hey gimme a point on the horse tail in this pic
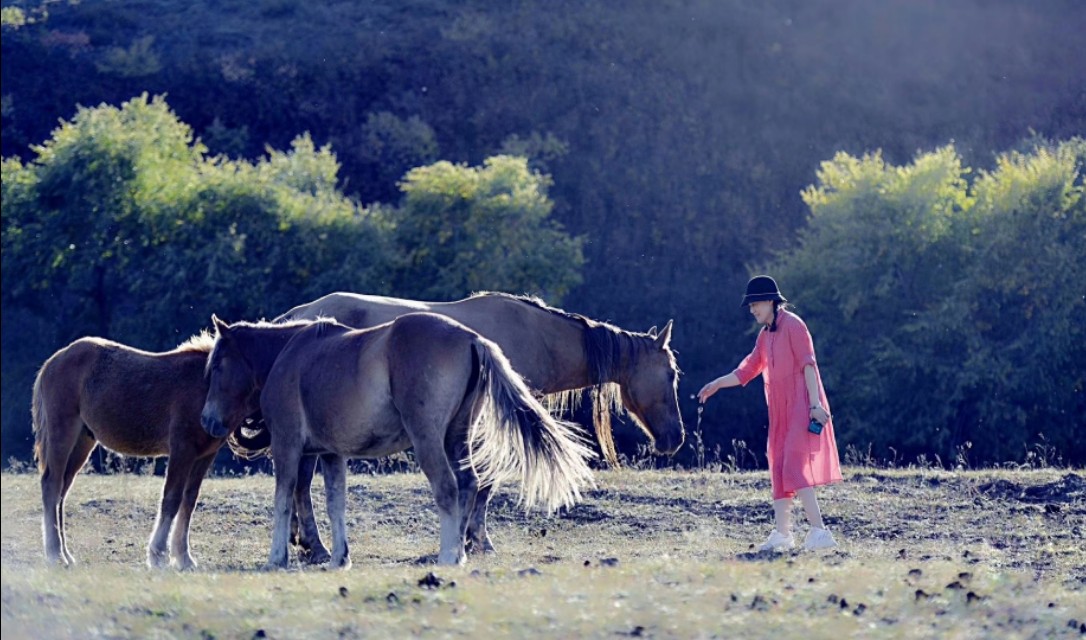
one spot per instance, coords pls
(514, 437)
(39, 421)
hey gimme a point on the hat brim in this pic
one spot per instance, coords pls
(759, 297)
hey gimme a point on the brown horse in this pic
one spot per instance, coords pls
(422, 381)
(134, 403)
(558, 354)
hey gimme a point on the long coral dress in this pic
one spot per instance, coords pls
(797, 457)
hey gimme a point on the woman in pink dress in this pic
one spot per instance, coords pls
(799, 458)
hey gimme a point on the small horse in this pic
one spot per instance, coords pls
(134, 403)
(422, 380)
(558, 354)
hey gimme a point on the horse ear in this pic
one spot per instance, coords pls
(664, 338)
(221, 327)
(652, 331)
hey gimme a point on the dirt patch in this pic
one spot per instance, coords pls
(1070, 488)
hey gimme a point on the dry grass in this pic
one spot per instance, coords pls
(648, 553)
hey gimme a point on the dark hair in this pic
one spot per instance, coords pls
(777, 305)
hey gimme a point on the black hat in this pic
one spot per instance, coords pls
(762, 288)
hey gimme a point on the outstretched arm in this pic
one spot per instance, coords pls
(723, 382)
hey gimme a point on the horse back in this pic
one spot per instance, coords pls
(431, 360)
(126, 397)
(491, 315)
(355, 310)
(543, 346)
(329, 391)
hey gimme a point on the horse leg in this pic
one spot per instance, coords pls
(61, 443)
(434, 461)
(478, 539)
(179, 544)
(303, 522)
(83, 447)
(468, 485)
(177, 473)
(286, 459)
(335, 491)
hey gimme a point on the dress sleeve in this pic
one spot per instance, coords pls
(799, 339)
(754, 363)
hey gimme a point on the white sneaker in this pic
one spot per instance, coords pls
(819, 539)
(777, 541)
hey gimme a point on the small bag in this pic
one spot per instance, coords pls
(815, 427)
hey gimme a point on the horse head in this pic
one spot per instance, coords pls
(233, 393)
(650, 392)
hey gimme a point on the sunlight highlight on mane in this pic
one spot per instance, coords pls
(607, 398)
(203, 341)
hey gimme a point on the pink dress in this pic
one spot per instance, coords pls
(797, 457)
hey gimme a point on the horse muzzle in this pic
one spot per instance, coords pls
(213, 426)
(669, 444)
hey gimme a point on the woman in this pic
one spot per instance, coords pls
(799, 458)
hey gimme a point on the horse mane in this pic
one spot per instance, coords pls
(606, 348)
(201, 342)
(245, 327)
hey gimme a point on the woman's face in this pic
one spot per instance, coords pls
(762, 311)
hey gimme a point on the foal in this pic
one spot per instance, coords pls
(95, 391)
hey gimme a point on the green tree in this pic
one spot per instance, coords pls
(466, 229)
(940, 324)
(123, 227)
(73, 219)
(1019, 309)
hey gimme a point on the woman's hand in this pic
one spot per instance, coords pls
(708, 390)
(820, 414)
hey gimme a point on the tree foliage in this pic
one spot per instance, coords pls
(482, 228)
(122, 214)
(122, 226)
(947, 313)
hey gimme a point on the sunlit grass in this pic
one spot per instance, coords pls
(924, 553)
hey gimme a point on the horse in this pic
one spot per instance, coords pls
(136, 403)
(559, 354)
(422, 381)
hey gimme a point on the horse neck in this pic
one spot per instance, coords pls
(262, 345)
(610, 353)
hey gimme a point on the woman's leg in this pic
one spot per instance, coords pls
(781, 536)
(782, 514)
(818, 537)
(810, 507)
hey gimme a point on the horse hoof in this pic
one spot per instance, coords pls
(342, 563)
(451, 560)
(475, 547)
(185, 563)
(312, 557)
(158, 559)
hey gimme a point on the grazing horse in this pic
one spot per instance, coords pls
(134, 403)
(422, 381)
(557, 353)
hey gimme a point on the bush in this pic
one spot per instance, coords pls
(947, 315)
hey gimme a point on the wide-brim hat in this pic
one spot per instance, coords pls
(762, 288)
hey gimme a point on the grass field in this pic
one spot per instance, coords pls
(660, 554)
